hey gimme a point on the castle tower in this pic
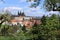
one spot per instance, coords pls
(21, 13)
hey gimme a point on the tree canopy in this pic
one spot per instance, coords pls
(53, 5)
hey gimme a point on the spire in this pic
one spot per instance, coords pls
(19, 13)
(22, 14)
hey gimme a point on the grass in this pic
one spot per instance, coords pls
(6, 38)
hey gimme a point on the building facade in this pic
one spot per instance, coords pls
(28, 21)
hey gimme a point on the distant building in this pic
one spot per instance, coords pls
(28, 21)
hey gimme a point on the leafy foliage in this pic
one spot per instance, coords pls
(52, 5)
(35, 3)
(48, 30)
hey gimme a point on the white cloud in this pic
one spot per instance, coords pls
(22, 0)
(1, 2)
(34, 11)
(12, 8)
(53, 12)
(27, 10)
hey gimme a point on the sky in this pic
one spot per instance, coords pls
(21, 5)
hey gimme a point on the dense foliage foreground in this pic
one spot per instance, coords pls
(48, 30)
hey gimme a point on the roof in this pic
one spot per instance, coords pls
(36, 18)
(14, 20)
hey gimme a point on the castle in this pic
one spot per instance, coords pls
(22, 19)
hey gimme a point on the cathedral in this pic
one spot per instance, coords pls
(21, 13)
(22, 19)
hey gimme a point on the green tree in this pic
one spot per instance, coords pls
(43, 19)
(4, 30)
(35, 4)
(53, 5)
(5, 17)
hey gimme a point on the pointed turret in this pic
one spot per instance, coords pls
(18, 13)
(21, 13)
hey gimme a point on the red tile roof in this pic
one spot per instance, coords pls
(14, 20)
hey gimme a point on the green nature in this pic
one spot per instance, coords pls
(49, 29)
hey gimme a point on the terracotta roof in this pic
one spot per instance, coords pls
(14, 20)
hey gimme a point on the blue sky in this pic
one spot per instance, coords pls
(21, 5)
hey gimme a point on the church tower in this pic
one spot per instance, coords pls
(21, 13)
